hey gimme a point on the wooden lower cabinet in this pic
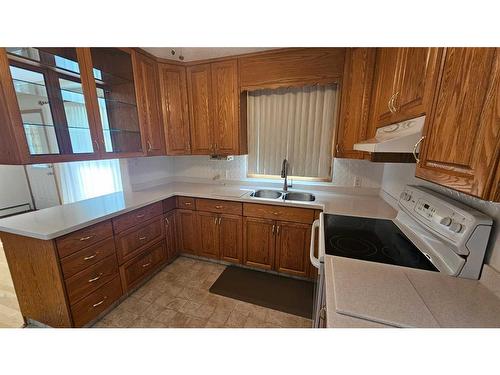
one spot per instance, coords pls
(135, 270)
(258, 242)
(230, 238)
(171, 235)
(292, 248)
(209, 234)
(188, 231)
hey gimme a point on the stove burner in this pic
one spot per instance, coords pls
(353, 246)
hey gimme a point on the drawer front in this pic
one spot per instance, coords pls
(169, 204)
(138, 268)
(90, 279)
(136, 217)
(94, 304)
(186, 203)
(87, 257)
(219, 206)
(137, 239)
(266, 211)
(71, 243)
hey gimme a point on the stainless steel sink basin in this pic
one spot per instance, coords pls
(296, 196)
(269, 194)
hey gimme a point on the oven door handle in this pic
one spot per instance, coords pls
(314, 261)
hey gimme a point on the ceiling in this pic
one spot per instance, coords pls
(200, 53)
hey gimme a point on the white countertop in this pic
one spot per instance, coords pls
(56, 221)
(369, 294)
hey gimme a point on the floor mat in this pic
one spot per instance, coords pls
(275, 292)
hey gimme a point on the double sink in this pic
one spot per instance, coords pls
(287, 196)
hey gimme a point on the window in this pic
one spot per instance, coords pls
(293, 123)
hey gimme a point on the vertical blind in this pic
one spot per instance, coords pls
(293, 123)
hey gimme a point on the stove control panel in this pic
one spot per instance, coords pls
(450, 219)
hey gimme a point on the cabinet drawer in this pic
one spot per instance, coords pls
(87, 257)
(213, 205)
(138, 268)
(134, 240)
(94, 304)
(90, 279)
(135, 217)
(186, 203)
(169, 204)
(295, 214)
(75, 241)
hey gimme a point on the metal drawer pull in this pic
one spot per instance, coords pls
(218, 207)
(95, 278)
(146, 265)
(91, 256)
(100, 302)
(168, 222)
(274, 226)
(187, 203)
(275, 213)
(140, 216)
(415, 149)
(142, 238)
(86, 238)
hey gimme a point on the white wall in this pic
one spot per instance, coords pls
(396, 176)
(14, 188)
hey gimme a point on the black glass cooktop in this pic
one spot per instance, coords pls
(375, 240)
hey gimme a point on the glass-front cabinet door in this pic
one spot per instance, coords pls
(114, 90)
(51, 88)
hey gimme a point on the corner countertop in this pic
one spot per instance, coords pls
(49, 223)
(369, 294)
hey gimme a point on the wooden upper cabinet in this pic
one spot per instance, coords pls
(148, 104)
(405, 80)
(174, 107)
(200, 109)
(462, 134)
(355, 102)
(225, 107)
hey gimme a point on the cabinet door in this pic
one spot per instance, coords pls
(225, 107)
(230, 238)
(258, 242)
(209, 234)
(386, 83)
(171, 235)
(53, 114)
(417, 82)
(200, 94)
(116, 105)
(462, 135)
(292, 248)
(146, 77)
(188, 231)
(174, 104)
(354, 108)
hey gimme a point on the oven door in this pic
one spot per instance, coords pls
(320, 280)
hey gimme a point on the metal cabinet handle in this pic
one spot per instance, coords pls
(150, 147)
(278, 230)
(187, 203)
(146, 265)
(96, 145)
(218, 206)
(220, 220)
(274, 227)
(86, 238)
(215, 221)
(100, 302)
(275, 213)
(140, 216)
(142, 238)
(389, 104)
(394, 97)
(91, 256)
(95, 278)
(415, 149)
(168, 222)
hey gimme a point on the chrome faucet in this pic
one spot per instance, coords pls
(284, 174)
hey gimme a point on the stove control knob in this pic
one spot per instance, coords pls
(446, 221)
(405, 196)
(456, 227)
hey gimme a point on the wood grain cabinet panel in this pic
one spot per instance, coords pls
(462, 134)
(231, 238)
(188, 231)
(355, 102)
(136, 217)
(219, 206)
(225, 107)
(75, 241)
(186, 203)
(274, 212)
(209, 234)
(174, 107)
(258, 242)
(148, 104)
(200, 109)
(292, 248)
(171, 242)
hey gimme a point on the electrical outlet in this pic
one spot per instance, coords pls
(357, 181)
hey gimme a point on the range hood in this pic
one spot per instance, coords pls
(396, 138)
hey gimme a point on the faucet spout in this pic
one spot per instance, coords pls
(284, 174)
